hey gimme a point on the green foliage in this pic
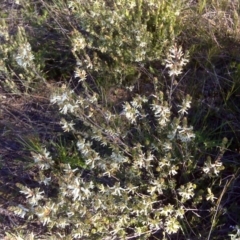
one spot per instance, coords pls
(18, 67)
(114, 37)
(66, 153)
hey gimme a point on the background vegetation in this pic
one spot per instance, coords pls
(119, 119)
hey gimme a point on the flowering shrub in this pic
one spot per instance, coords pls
(140, 172)
(139, 178)
(116, 36)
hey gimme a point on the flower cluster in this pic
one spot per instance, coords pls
(176, 60)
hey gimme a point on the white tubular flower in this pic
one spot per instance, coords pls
(137, 101)
(67, 108)
(59, 99)
(167, 146)
(131, 4)
(81, 144)
(36, 197)
(70, 214)
(81, 74)
(212, 168)
(167, 210)
(75, 189)
(163, 162)
(186, 191)
(173, 170)
(93, 98)
(157, 186)
(28, 192)
(210, 196)
(44, 213)
(78, 234)
(131, 188)
(172, 134)
(130, 112)
(46, 181)
(108, 115)
(84, 147)
(185, 134)
(78, 43)
(117, 190)
(43, 160)
(21, 211)
(66, 126)
(172, 225)
(186, 104)
(162, 113)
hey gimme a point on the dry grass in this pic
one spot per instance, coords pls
(26, 118)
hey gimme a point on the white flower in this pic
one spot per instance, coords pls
(46, 181)
(163, 162)
(67, 108)
(79, 73)
(21, 211)
(70, 214)
(210, 196)
(76, 193)
(130, 112)
(78, 234)
(186, 104)
(55, 99)
(131, 4)
(59, 99)
(186, 191)
(166, 210)
(93, 98)
(117, 189)
(172, 225)
(44, 213)
(167, 146)
(66, 126)
(143, 44)
(131, 188)
(108, 115)
(43, 159)
(28, 192)
(185, 134)
(36, 197)
(175, 60)
(81, 144)
(173, 170)
(84, 147)
(214, 168)
(162, 113)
